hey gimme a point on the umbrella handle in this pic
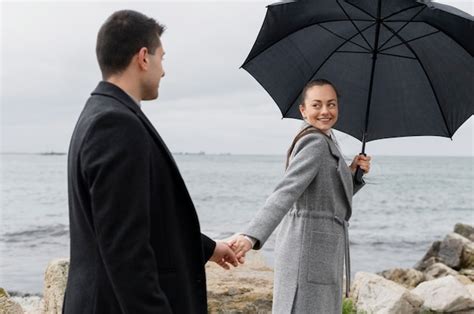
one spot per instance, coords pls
(359, 173)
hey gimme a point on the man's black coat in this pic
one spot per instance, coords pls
(136, 245)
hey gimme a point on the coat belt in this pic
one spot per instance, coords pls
(347, 255)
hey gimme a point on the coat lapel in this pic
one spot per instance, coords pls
(157, 137)
(346, 181)
(110, 90)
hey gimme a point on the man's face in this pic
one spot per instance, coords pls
(154, 74)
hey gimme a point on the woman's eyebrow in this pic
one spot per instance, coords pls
(318, 100)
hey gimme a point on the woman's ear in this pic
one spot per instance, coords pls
(302, 111)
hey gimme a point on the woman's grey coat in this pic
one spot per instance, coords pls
(313, 200)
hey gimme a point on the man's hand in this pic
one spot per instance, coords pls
(223, 255)
(240, 245)
(362, 161)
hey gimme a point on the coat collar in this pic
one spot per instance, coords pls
(340, 163)
(111, 90)
(332, 146)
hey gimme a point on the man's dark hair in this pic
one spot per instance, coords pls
(122, 36)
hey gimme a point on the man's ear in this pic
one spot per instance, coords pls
(142, 58)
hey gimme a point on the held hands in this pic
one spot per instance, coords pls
(362, 161)
(223, 256)
(240, 245)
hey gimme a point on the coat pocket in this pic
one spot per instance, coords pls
(323, 257)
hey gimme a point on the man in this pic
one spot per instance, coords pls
(136, 245)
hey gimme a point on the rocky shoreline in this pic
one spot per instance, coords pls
(442, 282)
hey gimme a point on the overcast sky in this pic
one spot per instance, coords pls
(48, 69)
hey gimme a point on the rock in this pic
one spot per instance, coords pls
(30, 304)
(375, 294)
(430, 257)
(245, 289)
(467, 258)
(438, 270)
(451, 250)
(469, 273)
(55, 279)
(465, 230)
(424, 265)
(8, 305)
(409, 278)
(470, 288)
(445, 294)
(463, 279)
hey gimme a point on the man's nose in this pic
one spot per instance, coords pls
(163, 75)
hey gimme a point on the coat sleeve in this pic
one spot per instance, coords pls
(356, 185)
(208, 247)
(115, 158)
(301, 170)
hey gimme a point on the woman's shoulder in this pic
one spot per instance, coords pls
(311, 141)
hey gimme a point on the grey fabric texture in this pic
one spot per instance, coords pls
(309, 252)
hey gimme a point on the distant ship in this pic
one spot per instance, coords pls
(51, 153)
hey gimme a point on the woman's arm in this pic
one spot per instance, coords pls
(302, 169)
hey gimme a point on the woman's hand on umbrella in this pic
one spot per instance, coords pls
(240, 245)
(362, 161)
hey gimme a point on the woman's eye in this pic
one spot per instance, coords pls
(332, 105)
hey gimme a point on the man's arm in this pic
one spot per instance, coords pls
(208, 247)
(115, 159)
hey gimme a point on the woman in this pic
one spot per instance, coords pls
(314, 201)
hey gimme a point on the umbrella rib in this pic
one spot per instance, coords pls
(428, 23)
(297, 30)
(352, 22)
(337, 35)
(351, 4)
(347, 51)
(427, 77)
(325, 60)
(403, 10)
(400, 29)
(407, 41)
(395, 55)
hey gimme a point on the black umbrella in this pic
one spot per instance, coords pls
(403, 67)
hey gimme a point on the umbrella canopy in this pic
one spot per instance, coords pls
(402, 67)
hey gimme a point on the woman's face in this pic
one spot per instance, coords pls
(320, 107)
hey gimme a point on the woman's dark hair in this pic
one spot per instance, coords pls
(316, 82)
(122, 36)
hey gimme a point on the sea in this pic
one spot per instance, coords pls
(407, 203)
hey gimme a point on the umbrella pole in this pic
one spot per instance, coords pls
(359, 172)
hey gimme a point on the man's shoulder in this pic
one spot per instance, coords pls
(102, 112)
(99, 106)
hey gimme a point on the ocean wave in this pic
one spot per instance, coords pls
(393, 243)
(36, 233)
